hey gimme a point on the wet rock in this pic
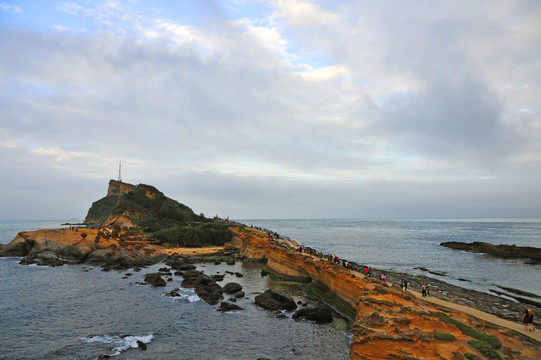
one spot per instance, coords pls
(154, 279)
(205, 286)
(218, 277)
(225, 306)
(173, 293)
(232, 287)
(320, 314)
(230, 262)
(141, 345)
(239, 294)
(211, 294)
(177, 263)
(238, 274)
(272, 300)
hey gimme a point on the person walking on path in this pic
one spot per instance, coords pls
(527, 319)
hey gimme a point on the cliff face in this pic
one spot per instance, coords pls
(117, 188)
(389, 323)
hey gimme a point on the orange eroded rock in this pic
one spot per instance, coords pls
(389, 323)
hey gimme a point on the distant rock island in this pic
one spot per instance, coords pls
(506, 251)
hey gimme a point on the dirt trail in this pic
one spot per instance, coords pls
(515, 326)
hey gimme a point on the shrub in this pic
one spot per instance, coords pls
(468, 330)
(443, 336)
(206, 234)
(484, 348)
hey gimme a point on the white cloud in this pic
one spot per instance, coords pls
(316, 109)
(10, 8)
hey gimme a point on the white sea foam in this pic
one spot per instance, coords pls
(186, 294)
(120, 343)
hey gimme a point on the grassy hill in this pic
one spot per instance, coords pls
(146, 208)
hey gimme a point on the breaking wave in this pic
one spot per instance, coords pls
(120, 343)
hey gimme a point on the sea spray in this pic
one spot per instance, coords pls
(121, 343)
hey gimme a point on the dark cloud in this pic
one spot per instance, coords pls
(451, 119)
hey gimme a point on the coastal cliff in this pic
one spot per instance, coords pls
(388, 323)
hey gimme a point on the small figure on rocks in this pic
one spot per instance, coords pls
(527, 320)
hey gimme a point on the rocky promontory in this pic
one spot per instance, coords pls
(506, 251)
(387, 323)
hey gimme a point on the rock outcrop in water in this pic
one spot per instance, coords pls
(507, 251)
(67, 246)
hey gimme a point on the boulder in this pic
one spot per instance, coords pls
(141, 345)
(154, 279)
(205, 286)
(177, 263)
(211, 294)
(320, 314)
(232, 287)
(218, 277)
(272, 300)
(172, 293)
(225, 306)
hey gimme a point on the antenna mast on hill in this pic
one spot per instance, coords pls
(119, 169)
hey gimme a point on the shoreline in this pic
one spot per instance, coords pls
(396, 318)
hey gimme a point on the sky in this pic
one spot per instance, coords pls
(273, 109)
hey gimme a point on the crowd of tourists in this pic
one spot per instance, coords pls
(527, 317)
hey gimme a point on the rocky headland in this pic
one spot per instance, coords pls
(387, 323)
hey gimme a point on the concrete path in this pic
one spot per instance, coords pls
(515, 326)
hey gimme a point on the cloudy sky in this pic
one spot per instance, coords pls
(273, 109)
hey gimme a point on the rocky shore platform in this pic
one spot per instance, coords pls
(387, 323)
(505, 251)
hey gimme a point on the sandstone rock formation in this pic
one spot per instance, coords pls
(66, 246)
(389, 323)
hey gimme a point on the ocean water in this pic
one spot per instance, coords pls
(404, 245)
(81, 312)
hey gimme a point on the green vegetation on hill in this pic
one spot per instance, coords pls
(146, 207)
(207, 234)
(101, 209)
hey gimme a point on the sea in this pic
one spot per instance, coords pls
(82, 312)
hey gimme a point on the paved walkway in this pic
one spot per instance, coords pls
(515, 326)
